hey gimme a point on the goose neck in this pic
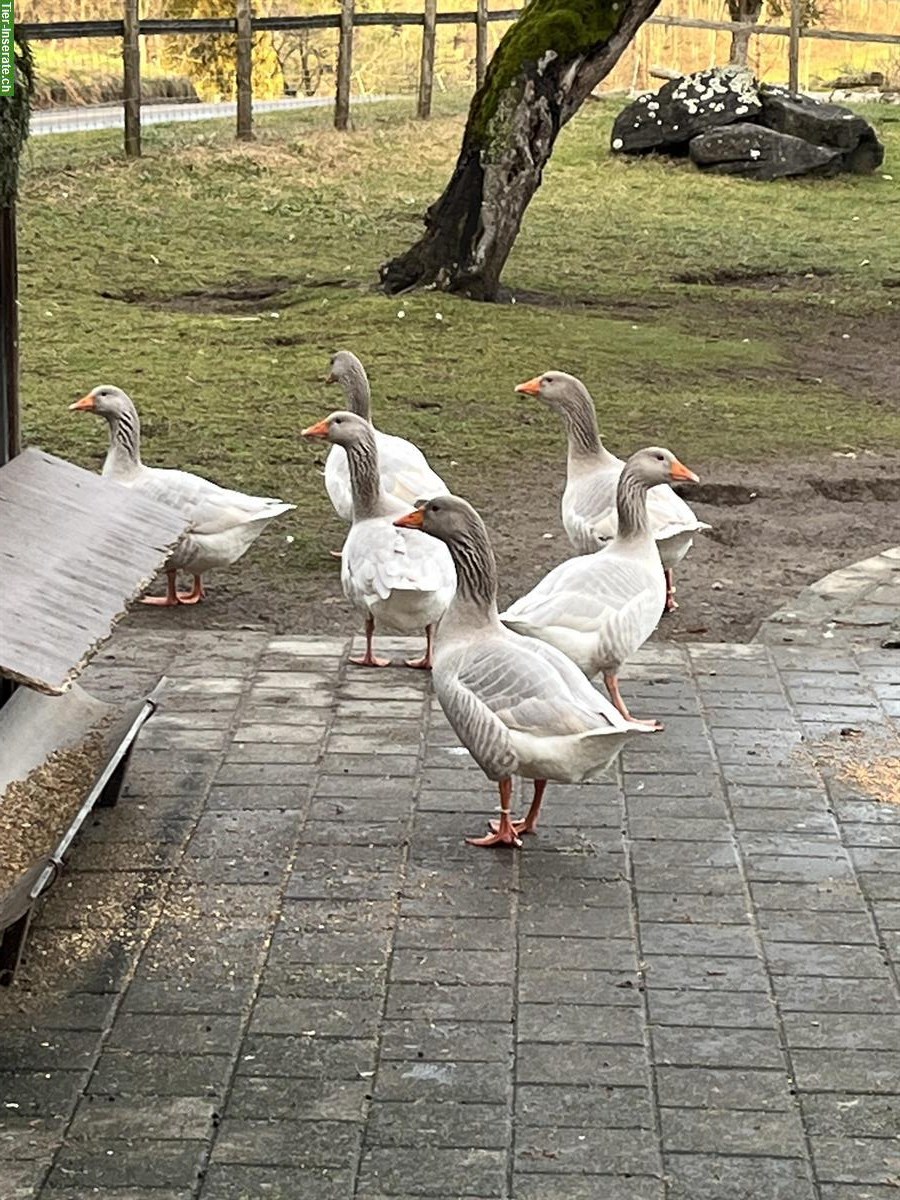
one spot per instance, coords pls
(355, 383)
(631, 506)
(365, 482)
(124, 455)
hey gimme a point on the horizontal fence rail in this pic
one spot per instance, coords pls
(243, 25)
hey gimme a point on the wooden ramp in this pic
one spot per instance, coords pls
(75, 550)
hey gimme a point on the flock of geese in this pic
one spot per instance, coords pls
(515, 686)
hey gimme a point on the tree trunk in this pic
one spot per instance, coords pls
(744, 11)
(544, 69)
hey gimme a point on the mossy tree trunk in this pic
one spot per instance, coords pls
(542, 72)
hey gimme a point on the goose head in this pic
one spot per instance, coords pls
(654, 465)
(558, 390)
(340, 428)
(447, 518)
(344, 365)
(105, 401)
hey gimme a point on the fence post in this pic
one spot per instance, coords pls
(794, 46)
(244, 70)
(345, 67)
(131, 64)
(481, 41)
(426, 70)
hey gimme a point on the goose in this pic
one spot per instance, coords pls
(599, 608)
(404, 469)
(589, 500)
(224, 523)
(393, 578)
(519, 706)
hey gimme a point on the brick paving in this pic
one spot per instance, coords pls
(276, 972)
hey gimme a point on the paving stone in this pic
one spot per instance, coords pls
(302, 1144)
(715, 1088)
(572, 953)
(696, 938)
(170, 1034)
(120, 1072)
(307, 1057)
(846, 928)
(578, 1023)
(37, 1050)
(724, 1131)
(281, 1098)
(20, 1180)
(705, 972)
(398, 1170)
(172, 996)
(231, 1181)
(145, 1164)
(481, 1041)
(826, 958)
(101, 1118)
(322, 981)
(588, 1187)
(812, 993)
(842, 1031)
(440, 933)
(575, 1063)
(857, 1191)
(595, 1105)
(453, 1002)
(248, 797)
(28, 1138)
(842, 895)
(583, 1150)
(707, 1046)
(864, 1160)
(839, 1070)
(41, 1093)
(452, 966)
(618, 988)
(477, 1081)
(702, 881)
(693, 909)
(679, 828)
(446, 1123)
(846, 1115)
(743, 1177)
(744, 1009)
(290, 1015)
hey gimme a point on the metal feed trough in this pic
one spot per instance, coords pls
(75, 550)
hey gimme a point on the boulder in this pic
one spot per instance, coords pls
(685, 107)
(822, 124)
(760, 153)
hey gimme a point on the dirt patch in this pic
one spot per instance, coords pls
(246, 295)
(755, 277)
(856, 490)
(773, 533)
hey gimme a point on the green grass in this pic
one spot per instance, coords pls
(707, 370)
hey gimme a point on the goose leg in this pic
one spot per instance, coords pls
(170, 599)
(424, 663)
(195, 595)
(369, 659)
(530, 823)
(671, 602)
(612, 686)
(506, 833)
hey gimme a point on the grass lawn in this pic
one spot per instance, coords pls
(738, 323)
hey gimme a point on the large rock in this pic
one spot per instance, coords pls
(685, 107)
(761, 153)
(824, 125)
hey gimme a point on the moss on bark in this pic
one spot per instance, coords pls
(14, 114)
(566, 28)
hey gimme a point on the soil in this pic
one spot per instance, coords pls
(776, 528)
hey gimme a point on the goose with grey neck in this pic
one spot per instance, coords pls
(600, 608)
(224, 523)
(592, 474)
(519, 706)
(403, 468)
(397, 580)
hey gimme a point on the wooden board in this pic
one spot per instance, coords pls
(75, 550)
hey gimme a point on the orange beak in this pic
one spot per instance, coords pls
(413, 520)
(681, 473)
(85, 404)
(319, 430)
(531, 388)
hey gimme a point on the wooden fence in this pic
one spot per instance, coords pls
(244, 24)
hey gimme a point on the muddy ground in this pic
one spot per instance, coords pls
(776, 528)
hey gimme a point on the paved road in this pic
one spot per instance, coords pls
(110, 116)
(275, 969)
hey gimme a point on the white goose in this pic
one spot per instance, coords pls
(599, 608)
(519, 706)
(394, 578)
(404, 469)
(224, 523)
(592, 473)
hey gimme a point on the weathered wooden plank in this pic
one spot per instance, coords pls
(131, 61)
(344, 66)
(75, 549)
(426, 66)
(244, 71)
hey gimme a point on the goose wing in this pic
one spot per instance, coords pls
(379, 559)
(404, 470)
(209, 507)
(585, 592)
